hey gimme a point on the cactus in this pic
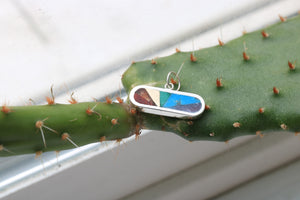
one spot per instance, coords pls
(29, 129)
(250, 86)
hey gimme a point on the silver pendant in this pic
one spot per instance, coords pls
(167, 102)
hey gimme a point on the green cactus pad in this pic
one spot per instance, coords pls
(246, 104)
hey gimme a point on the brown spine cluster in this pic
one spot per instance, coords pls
(219, 83)
(193, 58)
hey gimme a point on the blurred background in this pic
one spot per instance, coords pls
(84, 47)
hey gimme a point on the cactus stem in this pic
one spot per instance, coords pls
(153, 62)
(66, 136)
(219, 83)
(221, 43)
(283, 126)
(177, 50)
(51, 100)
(275, 90)
(261, 110)
(265, 34)
(282, 19)
(193, 58)
(72, 99)
(236, 125)
(292, 66)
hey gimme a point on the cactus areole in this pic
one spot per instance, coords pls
(247, 91)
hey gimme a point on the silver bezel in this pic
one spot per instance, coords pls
(166, 111)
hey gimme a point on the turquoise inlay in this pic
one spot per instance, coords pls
(177, 99)
(163, 97)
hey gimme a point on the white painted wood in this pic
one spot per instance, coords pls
(282, 183)
(225, 171)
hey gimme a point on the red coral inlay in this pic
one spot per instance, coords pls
(142, 96)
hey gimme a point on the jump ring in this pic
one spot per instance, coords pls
(170, 85)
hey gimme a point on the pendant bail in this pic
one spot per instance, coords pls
(169, 84)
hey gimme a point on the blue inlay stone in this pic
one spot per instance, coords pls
(179, 99)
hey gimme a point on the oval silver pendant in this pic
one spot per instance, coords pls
(167, 102)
